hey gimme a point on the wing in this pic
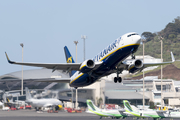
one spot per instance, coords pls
(127, 113)
(127, 63)
(161, 63)
(121, 110)
(48, 105)
(60, 80)
(53, 66)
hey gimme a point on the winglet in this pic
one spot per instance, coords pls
(28, 95)
(8, 59)
(172, 56)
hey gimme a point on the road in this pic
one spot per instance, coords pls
(33, 115)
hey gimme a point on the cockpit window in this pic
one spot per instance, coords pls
(132, 34)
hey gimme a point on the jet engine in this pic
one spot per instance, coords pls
(135, 66)
(58, 107)
(87, 66)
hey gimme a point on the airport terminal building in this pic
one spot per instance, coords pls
(104, 91)
(10, 86)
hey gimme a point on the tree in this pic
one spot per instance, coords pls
(147, 35)
(151, 104)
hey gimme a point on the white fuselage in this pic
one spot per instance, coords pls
(44, 102)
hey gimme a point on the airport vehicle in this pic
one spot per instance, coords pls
(103, 112)
(109, 60)
(42, 103)
(28, 107)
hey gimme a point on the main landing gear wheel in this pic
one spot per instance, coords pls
(119, 79)
(115, 79)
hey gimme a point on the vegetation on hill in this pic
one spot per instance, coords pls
(171, 42)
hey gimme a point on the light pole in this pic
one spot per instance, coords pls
(22, 45)
(161, 69)
(76, 42)
(84, 37)
(72, 96)
(143, 40)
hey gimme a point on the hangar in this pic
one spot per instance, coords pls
(11, 84)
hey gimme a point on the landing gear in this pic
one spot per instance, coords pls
(117, 79)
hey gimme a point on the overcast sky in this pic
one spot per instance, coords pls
(46, 26)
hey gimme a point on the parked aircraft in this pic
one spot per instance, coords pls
(1, 103)
(42, 103)
(172, 114)
(103, 112)
(109, 60)
(3, 107)
(155, 114)
(141, 113)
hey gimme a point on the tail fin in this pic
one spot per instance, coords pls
(7, 100)
(91, 106)
(127, 106)
(69, 59)
(28, 95)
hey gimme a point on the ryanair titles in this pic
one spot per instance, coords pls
(107, 50)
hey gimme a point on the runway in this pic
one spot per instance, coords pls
(33, 115)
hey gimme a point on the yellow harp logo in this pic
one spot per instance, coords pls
(69, 60)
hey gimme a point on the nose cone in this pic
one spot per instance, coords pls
(137, 39)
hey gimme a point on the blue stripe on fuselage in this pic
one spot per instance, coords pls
(109, 63)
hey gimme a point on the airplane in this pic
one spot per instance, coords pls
(104, 113)
(172, 115)
(42, 103)
(110, 60)
(3, 107)
(155, 114)
(132, 111)
(1, 103)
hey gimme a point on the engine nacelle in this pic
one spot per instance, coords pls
(58, 107)
(87, 66)
(135, 66)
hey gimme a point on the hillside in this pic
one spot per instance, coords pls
(171, 41)
(169, 72)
